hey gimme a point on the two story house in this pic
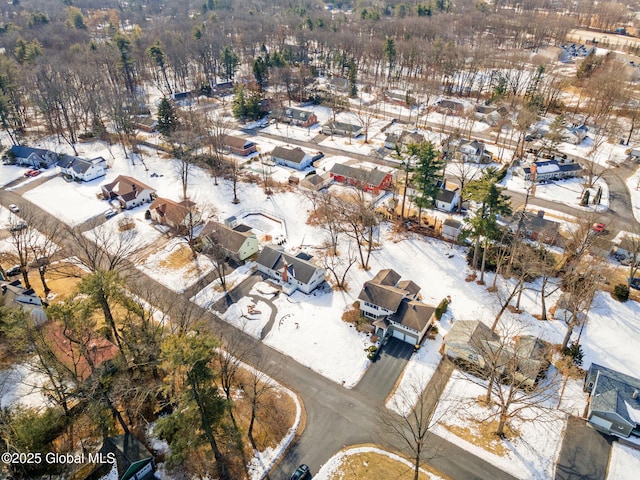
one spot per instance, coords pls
(128, 191)
(238, 244)
(82, 170)
(179, 216)
(394, 306)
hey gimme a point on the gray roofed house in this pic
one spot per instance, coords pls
(33, 157)
(394, 306)
(535, 227)
(451, 229)
(291, 157)
(14, 295)
(339, 84)
(81, 169)
(614, 401)
(294, 272)
(315, 181)
(402, 139)
(295, 116)
(550, 170)
(239, 245)
(447, 197)
(342, 128)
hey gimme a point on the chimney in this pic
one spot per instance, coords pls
(541, 213)
(285, 273)
(634, 395)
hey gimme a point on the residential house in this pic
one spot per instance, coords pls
(399, 98)
(547, 170)
(535, 227)
(627, 247)
(575, 135)
(451, 229)
(477, 345)
(295, 272)
(614, 401)
(133, 460)
(238, 244)
(473, 152)
(179, 216)
(291, 157)
(339, 85)
(394, 306)
(14, 295)
(373, 180)
(238, 145)
(82, 170)
(146, 124)
(569, 52)
(33, 157)
(401, 139)
(128, 191)
(295, 116)
(448, 197)
(316, 181)
(91, 355)
(449, 107)
(341, 128)
(483, 112)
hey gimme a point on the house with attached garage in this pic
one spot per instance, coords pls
(477, 346)
(614, 401)
(128, 192)
(33, 157)
(238, 145)
(295, 272)
(295, 116)
(395, 307)
(82, 170)
(291, 157)
(178, 216)
(238, 244)
(548, 170)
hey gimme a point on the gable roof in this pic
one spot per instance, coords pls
(372, 177)
(236, 142)
(228, 238)
(410, 286)
(294, 113)
(551, 166)
(77, 164)
(413, 314)
(273, 257)
(20, 151)
(384, 296)
(613, 391)
(536, 223)
(387, 277)
(293, 155)
(174, 212)
(126, 187)
(464, 331)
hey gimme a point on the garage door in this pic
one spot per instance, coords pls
(601, 422)
(405, 337)
(398, 334)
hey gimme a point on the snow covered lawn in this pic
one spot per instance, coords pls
(172, 266)
(331, 469)
(214, 292)
(248, 315)
(310, 329)
(531, 454)
(20, 385)
(633, 184)
(624, 462)
(116, 234)
(71, 202)
(9, 173)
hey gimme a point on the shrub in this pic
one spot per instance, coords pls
(575, 352)
(621, 292)
(442, 308)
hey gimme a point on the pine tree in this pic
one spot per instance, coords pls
(167, 118)
(239, 103)
(353, 72)
(428, 174)
(585, 198)
(598, 196)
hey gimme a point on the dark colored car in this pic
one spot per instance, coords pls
(634, 282)
(301, 473)
(18, 227)
(13, 271)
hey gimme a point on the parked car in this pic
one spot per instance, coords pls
(14, 208)
(301, 473)
(18, 227)
(634, 282)
(13, 271)
(599, 227)
(35, 173)
(112, 212)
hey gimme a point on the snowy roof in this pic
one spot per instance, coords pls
(552, 166)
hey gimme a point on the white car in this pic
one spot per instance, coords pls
(112, 212)
(14, 208)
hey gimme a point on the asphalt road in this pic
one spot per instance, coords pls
(335, 416)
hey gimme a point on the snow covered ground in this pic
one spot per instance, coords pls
(214, 292)
(568, 192)
(9, 173)
(128, 231)
(21, 385)
(633, 184)
(529, 455)
(248, 315)
(332, 466)
(624, 462)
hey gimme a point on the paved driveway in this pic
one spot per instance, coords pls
(584, 454)
(382, 375)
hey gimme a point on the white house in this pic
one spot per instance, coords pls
(473, 151)
(295, 272)
(451, 229)
(575, 135)
(81, 169)
(291, 157)
(128, 191)
(448, 197)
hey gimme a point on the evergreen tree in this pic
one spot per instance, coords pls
(598, 196)
(229, 62)
(260, 72)
(391, 53)
(352, 75)
(585, 198)
(167, 117)
(239, 103)
(428, 174)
